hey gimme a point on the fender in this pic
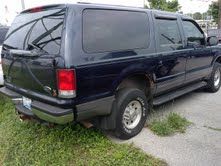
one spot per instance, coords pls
(217, 55)
(132, 70)
(216, 58)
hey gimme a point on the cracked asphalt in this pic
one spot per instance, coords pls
(200, 145)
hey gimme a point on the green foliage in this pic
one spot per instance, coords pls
(173, 123)
(214, 10)
(172, 5)
(197, 16)
(28, 143)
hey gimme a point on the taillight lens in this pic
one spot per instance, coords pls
(66, 79)
(36, 9)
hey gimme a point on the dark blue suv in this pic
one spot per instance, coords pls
(104, 64)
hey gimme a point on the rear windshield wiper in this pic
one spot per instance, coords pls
(38, 48)
(24, 53)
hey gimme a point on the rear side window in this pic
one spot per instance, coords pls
(168, 35)
(112, 30)
(37, 30)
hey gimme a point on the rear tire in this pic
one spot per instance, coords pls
(131, 112)
(214, 83)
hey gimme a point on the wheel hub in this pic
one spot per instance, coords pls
(132, 114)
(217, 78)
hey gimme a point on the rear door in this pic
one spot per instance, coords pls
(171, 68)
(31, 48)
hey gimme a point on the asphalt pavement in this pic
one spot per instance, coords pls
(200, 145)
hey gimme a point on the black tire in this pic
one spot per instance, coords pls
(211, 86)
(123, 98)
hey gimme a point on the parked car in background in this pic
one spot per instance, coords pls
(105, 64)
(3, 31)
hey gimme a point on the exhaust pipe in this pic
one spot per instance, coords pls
(87, 124)
(23, 117)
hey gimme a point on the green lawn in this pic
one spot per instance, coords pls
(28, 143)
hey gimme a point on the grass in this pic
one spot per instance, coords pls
(171, 124)
(28, 143)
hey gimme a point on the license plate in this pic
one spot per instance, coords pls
(26, 102)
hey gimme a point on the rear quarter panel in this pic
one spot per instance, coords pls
(99, 74)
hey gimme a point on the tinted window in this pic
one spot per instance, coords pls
(110, 30)
(37, 30)
(168, 35)
(193, 34)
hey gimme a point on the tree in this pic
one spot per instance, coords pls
(219, 15)
(172, 5)
(214, 10)
(205, 16)
(197, 16)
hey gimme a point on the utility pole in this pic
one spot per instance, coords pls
(23, 4)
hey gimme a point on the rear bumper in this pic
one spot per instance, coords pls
(61, 115)
(45, 115)
(40, 110)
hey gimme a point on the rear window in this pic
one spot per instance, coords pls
(40, 29)
(113, 30)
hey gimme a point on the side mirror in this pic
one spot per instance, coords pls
(212, 41)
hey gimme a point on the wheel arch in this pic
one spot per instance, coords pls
(218, 59)
(141, 80)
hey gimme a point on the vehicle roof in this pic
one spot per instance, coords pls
(108, 6)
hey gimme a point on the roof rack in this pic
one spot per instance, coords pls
(109, 5)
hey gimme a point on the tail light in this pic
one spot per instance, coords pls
(66, 80)
(36, 9)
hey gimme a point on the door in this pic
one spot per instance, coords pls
(200, 57)
(30, 49)
(171, 68)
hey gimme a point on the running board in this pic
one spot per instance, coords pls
(177, 93)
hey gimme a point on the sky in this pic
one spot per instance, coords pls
(10, 8)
